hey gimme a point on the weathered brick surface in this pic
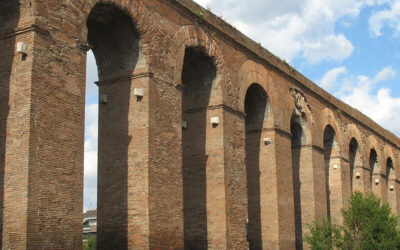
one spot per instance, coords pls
(161, 186)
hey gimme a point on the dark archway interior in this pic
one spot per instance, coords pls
(389, 168)
(297, 142)
(256, 111)
(389, 171)
(373, 164)
(198, 74)
(114, 39)
(353, 153)
(329, 143)
(115, 44)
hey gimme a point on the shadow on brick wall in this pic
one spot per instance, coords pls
(297, 134)
(115, 42)
(9, 16)
(255, 108)
(198, 74)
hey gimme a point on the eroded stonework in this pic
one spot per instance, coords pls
(302, 108)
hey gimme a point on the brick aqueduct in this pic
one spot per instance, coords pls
(206, 140)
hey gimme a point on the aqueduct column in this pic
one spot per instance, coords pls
(42, 114)
(140, 191)
(42, 137)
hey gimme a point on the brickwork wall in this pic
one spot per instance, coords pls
(15, 76)
(148, 187)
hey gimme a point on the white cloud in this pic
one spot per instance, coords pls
(363, 93)
(389, 17)
(382, 107)
(329, 80)
(383, 75)
(203, 3)
(91, 124)
(90, 157)
(328, 47)
(91, 134)
(292, 28)
(91, 74)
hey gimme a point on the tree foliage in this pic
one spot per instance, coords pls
(325, 235)
(367, 224)
(90, 243)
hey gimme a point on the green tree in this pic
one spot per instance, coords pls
(324, 236)
(90, 243)
(367, 224)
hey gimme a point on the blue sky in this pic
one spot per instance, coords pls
(351, 48)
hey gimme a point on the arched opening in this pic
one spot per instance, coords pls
(374, 172)
(115, 43)
(298, 139)
(198, 75)
(391, 184)
(355, 166)
(332, 173)
(114, 39)
(256, 112)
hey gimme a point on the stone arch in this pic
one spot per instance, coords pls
(390, 177)
(197, 79)
(115, 41)
(390, 169)
(376, 168)
(118, 48)
(250, 73)
(200, 71)
(66, 43)
(263, 114)
(139, 13)
(328, 117)
(373, 144)
(253, 74)
(353, 149)
(352, 131)
(257, 112)
(191, 36)
(333, 162)
(333, 169)
(388, 153)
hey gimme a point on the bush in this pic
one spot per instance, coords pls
(90, 243)
(367, 224)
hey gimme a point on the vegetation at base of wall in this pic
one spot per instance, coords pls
(90, 243)
(367, 224)
(324, 235)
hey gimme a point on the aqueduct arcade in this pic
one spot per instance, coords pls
(206, 140)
